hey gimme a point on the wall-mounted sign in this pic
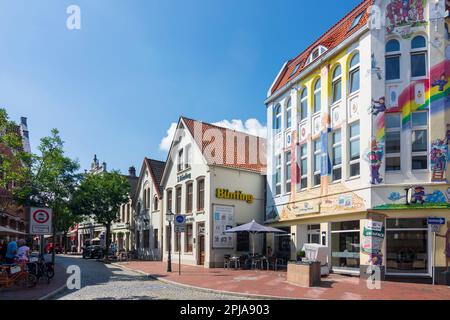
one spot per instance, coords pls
(184, 176)
(236, 195)
(223, 220)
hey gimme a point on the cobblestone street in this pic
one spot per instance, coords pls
(107, 282)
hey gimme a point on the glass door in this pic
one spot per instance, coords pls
(407, 247)
(345, 246)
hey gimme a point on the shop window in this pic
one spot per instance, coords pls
(345, 245)
(419, 140)
(200, 194)
(178, 200)
(393, 56)
(304, 166)
(337, 155)
(242, 242)
(188, 238)
(317, 161)
(189, 196)
(393, 141)
(355, 154)
(288, 172)
(289, 114)
(277, 119)
(407, 246)
(146, 239)
(314, 233)
(317, 95)
(418, 57)
(278, 175)
(354, 74)
(337, 84)
(303, 104)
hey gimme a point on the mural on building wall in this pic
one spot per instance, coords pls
(378, 106)
(325, 162)
(376, 70)
(439, 158)
(404, 15)
(373, 236)
(419, 198)
(374, 157)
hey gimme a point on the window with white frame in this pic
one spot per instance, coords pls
(393, 56)
(277, 119)
(393, 141)
(278, 175)
(337, 155)
(354, 74)
(418, 57)
(304, 166)
(289, 114)
(180, 165)
(288, 173)
(303, 104)
(188, 156)
(317, 95)
(337, 84)
(314, 233)
(355, 154)
(419, 140)
(317, 161)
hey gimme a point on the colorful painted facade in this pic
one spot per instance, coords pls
(370, 128)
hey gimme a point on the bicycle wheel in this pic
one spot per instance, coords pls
(31, 280)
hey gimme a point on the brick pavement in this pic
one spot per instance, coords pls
(273, 283)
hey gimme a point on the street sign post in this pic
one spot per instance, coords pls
(41, 221)
(435, 225)
(180, 226)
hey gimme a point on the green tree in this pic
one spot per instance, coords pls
(100, 196)
(14, 161)
(51, 183)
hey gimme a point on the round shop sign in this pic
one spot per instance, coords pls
(41, 216)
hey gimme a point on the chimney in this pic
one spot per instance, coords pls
(132, 171)
(23, 120)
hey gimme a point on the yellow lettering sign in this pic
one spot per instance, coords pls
(236, 195)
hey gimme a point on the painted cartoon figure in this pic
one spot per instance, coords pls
(405, 10)
(325, 162)
(398, 10)
(447, 135)
(419, 9)
(390, 13)
(378, 107)
(376, 259)
(419, 195)
(441, 83)
(375, 156)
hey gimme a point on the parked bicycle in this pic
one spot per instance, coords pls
(40, 268)
(16, 274)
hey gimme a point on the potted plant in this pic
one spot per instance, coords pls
(301, 255)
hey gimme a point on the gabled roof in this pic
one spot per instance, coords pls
(330, 40)
(246, 164)
(156, 169)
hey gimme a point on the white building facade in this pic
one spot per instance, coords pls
(358, 151)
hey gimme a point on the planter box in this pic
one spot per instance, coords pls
(304, 274)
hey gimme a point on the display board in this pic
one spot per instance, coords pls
(223, 219)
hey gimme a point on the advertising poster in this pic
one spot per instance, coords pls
(373, 237)
(223, 220)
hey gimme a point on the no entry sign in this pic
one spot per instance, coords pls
(41, 221)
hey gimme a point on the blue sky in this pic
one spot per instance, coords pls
(114, 87)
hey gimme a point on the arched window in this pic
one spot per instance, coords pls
(354, 74)
(337, 84)
(289, 114)
(277, 118)
(418, 57)
(317, 95)
(304, 104)
(393, 55)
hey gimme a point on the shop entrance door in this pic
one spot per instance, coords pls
(407, 247)
(201, 245)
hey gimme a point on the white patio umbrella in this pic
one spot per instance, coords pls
(254, 228)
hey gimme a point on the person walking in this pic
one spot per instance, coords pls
(11, 252)
(23, 253)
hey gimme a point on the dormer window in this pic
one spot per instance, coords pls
(317, 52)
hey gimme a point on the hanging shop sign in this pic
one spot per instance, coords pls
(236, 195)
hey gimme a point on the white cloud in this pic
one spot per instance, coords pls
(250, 126)
(166, 142)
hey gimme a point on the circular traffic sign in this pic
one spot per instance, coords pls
(41, 216)
(179, 219)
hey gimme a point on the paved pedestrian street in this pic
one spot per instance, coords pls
(108, 282)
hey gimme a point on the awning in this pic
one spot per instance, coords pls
(5, 230)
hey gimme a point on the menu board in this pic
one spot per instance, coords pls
(223, 220)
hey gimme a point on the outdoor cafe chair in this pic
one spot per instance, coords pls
(226, 261)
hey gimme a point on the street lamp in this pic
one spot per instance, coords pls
(170, 217)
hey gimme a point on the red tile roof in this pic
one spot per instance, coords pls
(240, 160)
(156, 169)
(331, 39)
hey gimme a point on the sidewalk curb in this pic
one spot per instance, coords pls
(53, 293)
(231, 293)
